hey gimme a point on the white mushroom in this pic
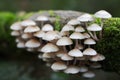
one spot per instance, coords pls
(47, 27)
(79, 29)
(31, 29)
(89, 52)
(98, 57)
(49, 47)
(88, 74)
(72, 70)
(73, 22)
(26, 23)
(15, 33)
(58, 66)
(16, 26)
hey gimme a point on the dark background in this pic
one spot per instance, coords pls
(90, 6)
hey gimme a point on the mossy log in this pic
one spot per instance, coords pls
(109, 45)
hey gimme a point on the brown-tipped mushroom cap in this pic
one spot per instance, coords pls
(85, 18)
(32, 43)
(64, 41)
(16, 26)
(75, 53)
(72, 70)
(28, 23)
(48, 55)
(47, 27)
(89, 52)
(103, 14)
(59, 66)
(73, 22)
(94, 27)
(67, 28)
(89, 41)
(60, 53)
(49, 47)
(79, 29)
(31, 29)
(77, 35)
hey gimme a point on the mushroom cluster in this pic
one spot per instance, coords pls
(70, 50)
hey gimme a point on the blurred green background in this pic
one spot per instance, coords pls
(17, 64)
(90, 6)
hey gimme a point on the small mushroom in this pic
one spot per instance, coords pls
(74, 22)
(98, 57)
(89, 42)
(59, 66)
(31, 29)
(16, 26)
(89, 52)
(15, 33)
(79, 29)
(21, 44)
(47, 27)
(49, 47)
(88, 74)
(72, 70)
(26, 23)
(83, 69)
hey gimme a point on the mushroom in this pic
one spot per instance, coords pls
(73, 22)
(42, 19)
(26, 36)
(16, 26)
(89, 42)
(48, 55)
(21, 44)
(94, 27)
(59, 66)
(88, 74)
(31, 29)
(64, 41)
(26, 23)
(98, 57)
(86, 35)
(49, 47)
(72, 70)
(15, 33)
(103, 15)
(79, 29)
(89, 52)
(77, 36)
(83, 69)
(32, 43)
(95, 65)
(47, 27)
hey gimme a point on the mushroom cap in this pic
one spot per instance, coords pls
(59, 66)
(26, 36)
(48, 55)
(94, 27)
(32, 43)
(64, 41)
(72, 70)
(103, 14)
(15, 33)
(77, 35)
(85, 18)
(21, 44)
(83, 69)
(79, 29)
(51, 35)
(64, 33)
(98, 57)
(67, 28)
(88, 74)
(66, 57)
(75, 53)
(28, 23)
(16, 26)
(86, 35)
(73, 22)
(49, 47)
(42, 18)
(39, 34)
(30, 49)
(89, 52)
(89, 41)
(47, 27)
(31, 29)
(60, 53)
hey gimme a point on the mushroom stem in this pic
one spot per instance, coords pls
(76, 43)
(64, 48)
(75, 60)
(42, 23)
(91, 34)
(95, 36)
(67, 63)
(88, 46)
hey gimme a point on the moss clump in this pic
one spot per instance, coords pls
(110, 45)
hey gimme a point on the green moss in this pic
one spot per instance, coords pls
(110, 45)
(57, 24)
